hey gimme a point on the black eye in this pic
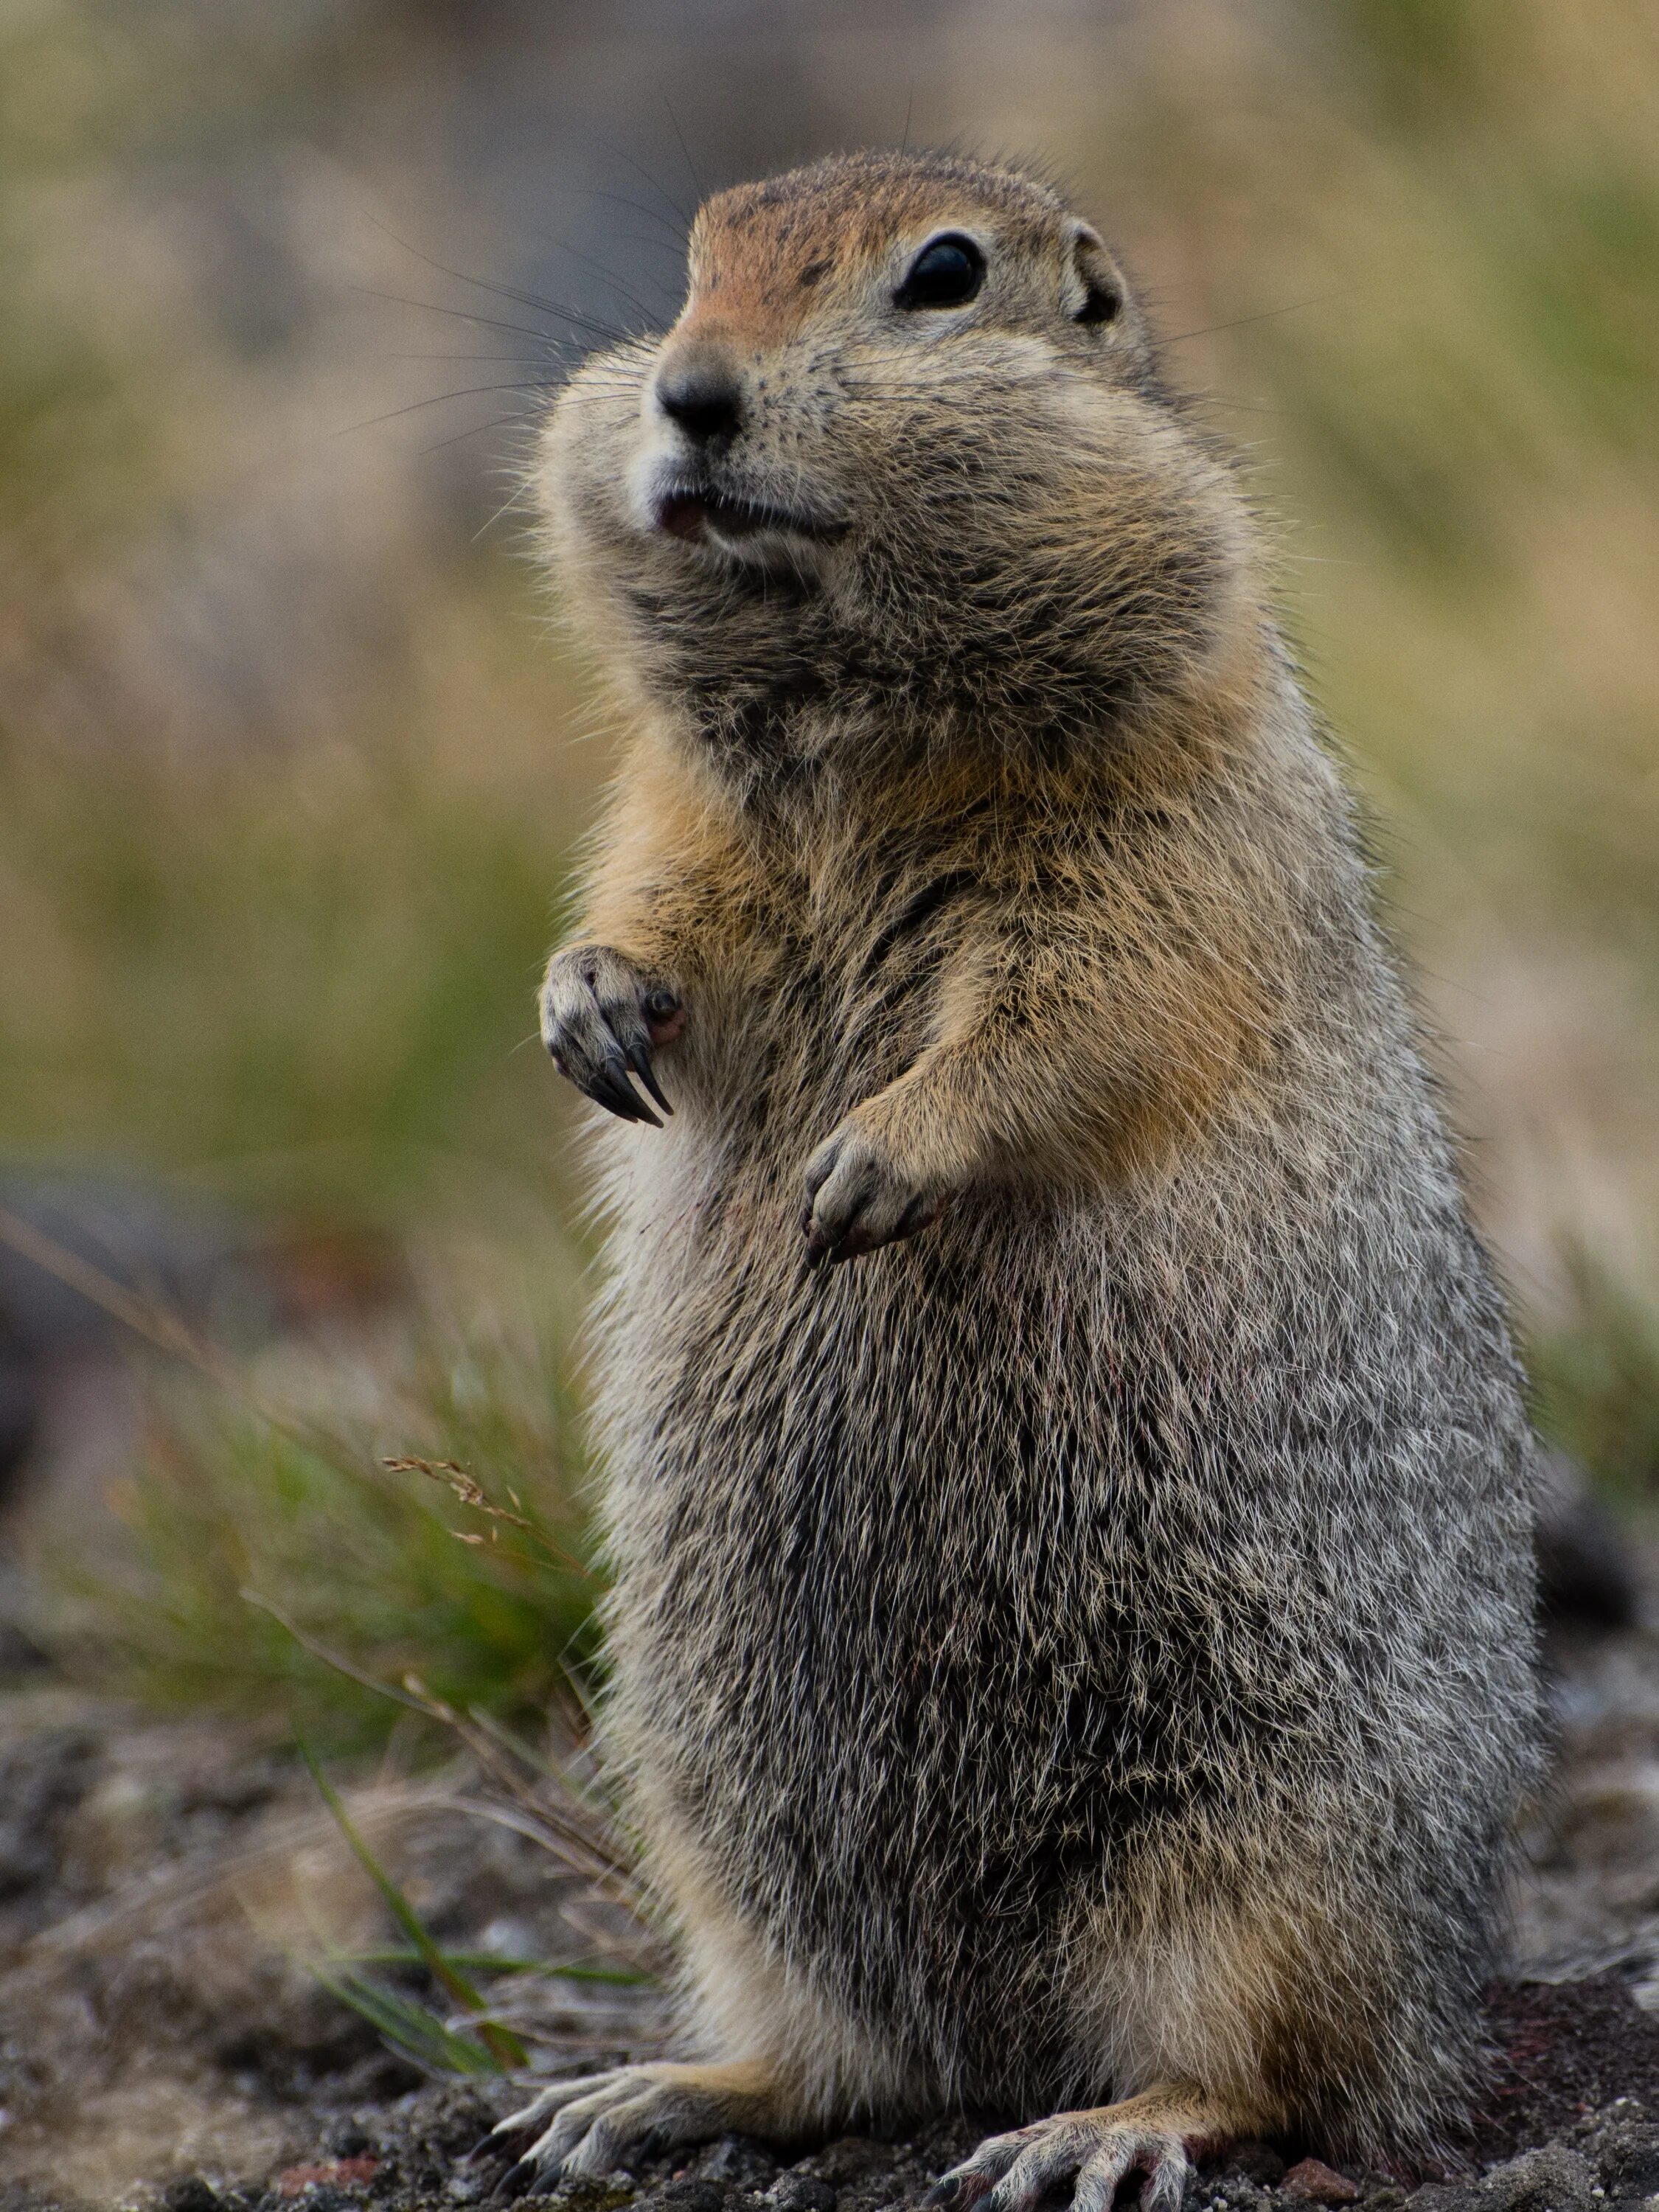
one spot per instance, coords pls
(946, 273)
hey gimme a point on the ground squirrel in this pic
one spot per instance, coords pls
(1082, 1649)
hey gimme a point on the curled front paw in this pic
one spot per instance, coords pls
(859, 1195)
(601, 1017)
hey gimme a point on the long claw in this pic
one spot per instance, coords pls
(610, 1087)
(639, 1060)
(517, 2181)
(616, 1072)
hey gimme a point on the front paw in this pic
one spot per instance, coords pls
(860, 1195)
(601, 1017)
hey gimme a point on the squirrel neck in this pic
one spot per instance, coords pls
(787, 764)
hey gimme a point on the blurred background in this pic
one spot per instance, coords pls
(293, 762)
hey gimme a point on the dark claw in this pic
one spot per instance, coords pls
(605, 1092)
(518, 2181)
(639, 1060)
(943, 2192)
(610, 1087)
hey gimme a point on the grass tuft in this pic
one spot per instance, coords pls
(408, 2026)
(364, 1565)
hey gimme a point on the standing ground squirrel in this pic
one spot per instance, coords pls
(1081, 1649)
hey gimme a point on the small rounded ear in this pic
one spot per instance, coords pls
(1094, 289)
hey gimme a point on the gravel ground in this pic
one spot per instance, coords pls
(1566, 2128)
(161, 2046)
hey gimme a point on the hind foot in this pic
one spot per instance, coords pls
(598, 2121)
(1153, 2134)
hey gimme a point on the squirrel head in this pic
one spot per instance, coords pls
(904, 466)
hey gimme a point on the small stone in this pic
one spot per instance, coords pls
(852, 2157)
(1259, 2161)
(692, 2195)
(803, 2192)
(194, 2194)
(1553, 2179)
(739, 2163)
(1316, 2182)
(1625, 2155)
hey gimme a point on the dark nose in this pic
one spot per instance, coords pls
(702, 395)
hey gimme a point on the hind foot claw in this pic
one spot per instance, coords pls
(1095, 2151)
(599, 2120)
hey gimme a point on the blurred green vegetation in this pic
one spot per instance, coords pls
(308, 970)
(289, 770)
(1596, 1377)
(281, 1562)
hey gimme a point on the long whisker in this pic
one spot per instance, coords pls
(651, 215)
(1266, 315)
(437, 399)
(520, 488)
(501, 422)
(456, 356)
(691, 165)
(667, 197)
(506, 291)
(599, 269)
(461, 314)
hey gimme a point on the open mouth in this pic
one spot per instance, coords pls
(691, 511)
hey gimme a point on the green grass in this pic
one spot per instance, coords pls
(487, 2047)
(301, 1569)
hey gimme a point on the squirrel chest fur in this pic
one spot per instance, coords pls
(1068, 1487)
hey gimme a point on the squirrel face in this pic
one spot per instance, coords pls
(905, 447)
